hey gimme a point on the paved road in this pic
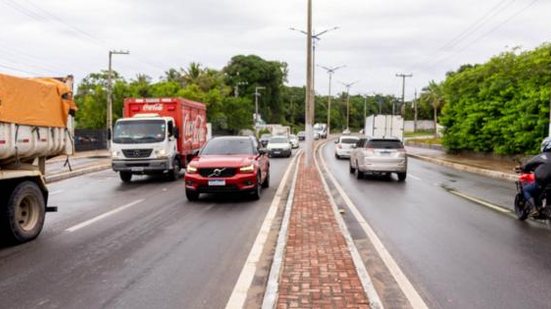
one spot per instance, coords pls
(458, 254)
(159, 252)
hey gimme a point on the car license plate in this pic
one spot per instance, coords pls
(137, 169)
(217, 183)
(277, 152)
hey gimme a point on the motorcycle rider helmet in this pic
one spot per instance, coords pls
(546, 145)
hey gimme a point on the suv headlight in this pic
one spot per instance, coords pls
(247, 169)
(191, 169)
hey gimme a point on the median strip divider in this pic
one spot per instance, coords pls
(102, 216)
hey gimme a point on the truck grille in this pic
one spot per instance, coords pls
(137, 153)
(217, 172)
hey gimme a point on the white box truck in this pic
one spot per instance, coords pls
(35, 123)
(384, 126)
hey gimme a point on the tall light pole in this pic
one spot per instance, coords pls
(330, 72)
(348, 103)
(309, 106)
(256, 95)
(403, 76)
(110, 91)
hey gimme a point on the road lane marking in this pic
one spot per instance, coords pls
(481, 202)
(415, 177)
(102, 216)
(365, 279)
(239, 294)
(405, 285)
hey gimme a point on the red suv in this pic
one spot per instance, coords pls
(228, 164)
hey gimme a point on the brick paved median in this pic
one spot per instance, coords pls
(318, 270)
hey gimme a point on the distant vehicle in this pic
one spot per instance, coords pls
(264, 138)
(294, 141)
(301, 135)
(345, 145)
(380, 156)
(279, 146)
(321, 129)
(317, 135)
(346, 132)
(384, 126)
(157, 136)
(228, 164)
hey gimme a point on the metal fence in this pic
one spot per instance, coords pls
(90, 139)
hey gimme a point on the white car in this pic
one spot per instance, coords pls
(344, 146)
(379, 156)
(294, 141)
(279, 146)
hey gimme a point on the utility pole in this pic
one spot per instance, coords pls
(365, 107)
(348, 103)
(330, 72)
(403, 76)
(256, 95)
(110, 92)
(309, 108)
(415, 112)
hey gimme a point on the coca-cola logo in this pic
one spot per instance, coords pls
(152, 107)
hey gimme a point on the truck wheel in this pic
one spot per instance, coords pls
(402, 176)
(192, 195)
(174, 174)
(126, 177)
(22, 215)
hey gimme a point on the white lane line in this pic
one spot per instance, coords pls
(479, 201)
(102, 216)
(239, 294)
(55, 192)
(272, 288)
(405, 285)
(415, 177)
(365, 279)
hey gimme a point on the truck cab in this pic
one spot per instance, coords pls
(146, 144)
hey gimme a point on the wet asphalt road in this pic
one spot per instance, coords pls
(160, 252)
(456, 253)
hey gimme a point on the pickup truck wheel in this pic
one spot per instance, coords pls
(22, 214)
(126, 177)
(174, 174)
(192, 195)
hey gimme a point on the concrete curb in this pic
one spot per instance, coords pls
(467, 168)
(79, 172)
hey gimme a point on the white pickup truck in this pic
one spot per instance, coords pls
(35, 123)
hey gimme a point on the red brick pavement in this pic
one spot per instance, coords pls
(318, 270)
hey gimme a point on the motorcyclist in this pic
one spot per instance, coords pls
(541, 166)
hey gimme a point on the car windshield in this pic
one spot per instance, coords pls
(139, 131)
(278, 140)
(265, 136)
(385, 144)
(349, 140)
(228, 146)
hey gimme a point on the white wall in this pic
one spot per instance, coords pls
(421, 125)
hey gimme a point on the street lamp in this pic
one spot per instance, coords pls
(348, 103)
(110, 92)
(256, 95)
(330, 72)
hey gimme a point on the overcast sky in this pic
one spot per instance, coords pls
(376, 38)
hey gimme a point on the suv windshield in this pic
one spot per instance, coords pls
(228, 146)
(279, 140)
(139, 131)
(384, 144)
(349, 140)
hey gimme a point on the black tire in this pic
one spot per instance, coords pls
(22, 214)
(126, 177)
(258, 188)
(337, 156)
(192, 195)
(174, 173)
(520, 207)
(266, 183)
(402, 176)
(359, 174)
(351, 169)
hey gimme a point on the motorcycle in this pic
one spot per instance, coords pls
(543, 203)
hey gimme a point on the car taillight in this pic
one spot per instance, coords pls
(369, 151)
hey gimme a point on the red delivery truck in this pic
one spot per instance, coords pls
(157, 136)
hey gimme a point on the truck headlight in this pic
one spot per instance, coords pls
(247, 169)
(160, 153)
(116, 154)
(191, 169)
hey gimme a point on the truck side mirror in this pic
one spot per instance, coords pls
(170, 128)
(176, 132)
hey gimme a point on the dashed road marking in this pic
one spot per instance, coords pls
(102, 216)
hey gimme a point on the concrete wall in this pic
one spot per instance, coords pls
(423, 125)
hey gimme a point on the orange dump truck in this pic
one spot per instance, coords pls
(35, 123)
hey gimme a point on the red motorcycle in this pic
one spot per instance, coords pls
(543, 204)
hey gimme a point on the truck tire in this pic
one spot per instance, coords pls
(126, 177)
(22, 214)
(174, 173)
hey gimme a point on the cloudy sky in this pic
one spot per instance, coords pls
(376, 38)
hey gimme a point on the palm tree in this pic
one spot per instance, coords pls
(192, 74)
(433, 94)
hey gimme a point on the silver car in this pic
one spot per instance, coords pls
(344, 146)
(380, 156)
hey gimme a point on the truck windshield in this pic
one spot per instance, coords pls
(139, 131)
